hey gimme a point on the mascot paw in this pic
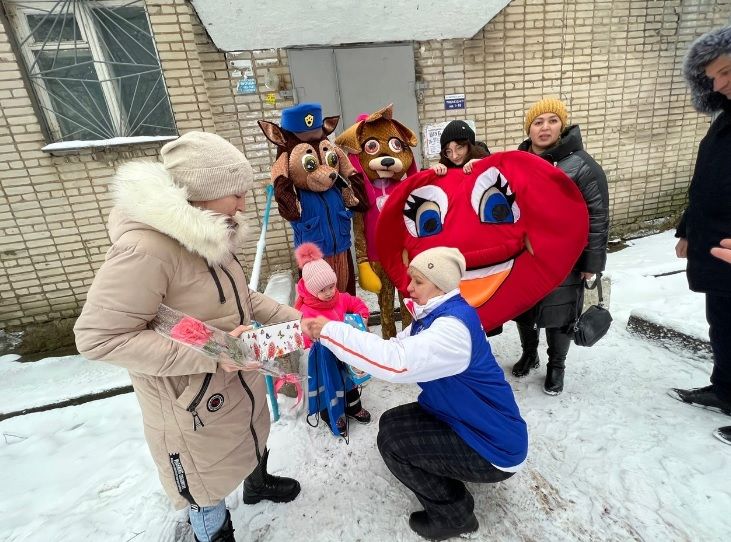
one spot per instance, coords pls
(349, 197)
(367, 278)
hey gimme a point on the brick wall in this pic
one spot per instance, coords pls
(235, 117)
(52, 210)
(617, 64)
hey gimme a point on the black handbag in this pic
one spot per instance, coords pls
(594, 323)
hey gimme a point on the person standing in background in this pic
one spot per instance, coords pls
(707, 219)
(553, 139)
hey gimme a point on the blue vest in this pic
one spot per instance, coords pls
(477, 403)
(324, 221)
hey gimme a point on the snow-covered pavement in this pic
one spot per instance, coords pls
(612, 458)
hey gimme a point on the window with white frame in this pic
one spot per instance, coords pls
(93, 67)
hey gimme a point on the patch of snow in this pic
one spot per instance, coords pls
(612, 458)
(280, 287)
(8, 358)
(51, 380)
(115, 141)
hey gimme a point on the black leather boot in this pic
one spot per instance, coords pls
(226, 534)
(260, 485)
(422, 525)
(558, 347)
(529, 342)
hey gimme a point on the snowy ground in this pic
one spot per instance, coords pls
(612, 458)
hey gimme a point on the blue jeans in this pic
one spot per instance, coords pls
(207, 520)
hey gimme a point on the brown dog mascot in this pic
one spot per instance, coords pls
(315, 186)
(380, 147)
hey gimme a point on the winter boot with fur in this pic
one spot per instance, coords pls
(529, 341)
(260, 485)
(558, 348)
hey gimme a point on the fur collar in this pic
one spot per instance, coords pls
(705, 50)
(145, 193)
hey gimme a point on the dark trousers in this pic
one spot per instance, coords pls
(557, 338)
(718, 315)
(429, 458)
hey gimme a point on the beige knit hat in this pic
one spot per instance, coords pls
(546, 105)
(444, 266)
(207, 165)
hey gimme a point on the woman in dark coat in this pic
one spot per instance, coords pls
(550, 137)
(707, 219)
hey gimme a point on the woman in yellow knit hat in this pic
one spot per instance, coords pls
(551, 137)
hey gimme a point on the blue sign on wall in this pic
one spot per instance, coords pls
(247, 85)
(454, 101)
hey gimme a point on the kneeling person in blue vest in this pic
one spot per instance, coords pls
(465, 426)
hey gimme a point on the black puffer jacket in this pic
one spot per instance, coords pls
(707, 218)
(561, 306)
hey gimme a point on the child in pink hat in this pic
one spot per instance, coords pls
(332, 392)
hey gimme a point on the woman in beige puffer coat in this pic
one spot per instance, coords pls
(174, 228)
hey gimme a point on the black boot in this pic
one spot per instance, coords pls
(353, 408)
(260, 485)
(226, 533)
(554, 380)
(422, 525)
(558, 347)
(529, 341)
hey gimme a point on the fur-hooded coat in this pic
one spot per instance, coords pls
(707, 219)
(703, 51)
(206, 428)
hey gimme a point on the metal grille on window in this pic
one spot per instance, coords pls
(93, 67)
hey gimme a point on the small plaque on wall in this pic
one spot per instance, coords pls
(454, 101)
(433, 132)
(246, 85)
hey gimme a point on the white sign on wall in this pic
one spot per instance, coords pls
(432, 133)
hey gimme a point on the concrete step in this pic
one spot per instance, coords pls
(642, 325)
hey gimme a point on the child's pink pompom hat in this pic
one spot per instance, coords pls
(316, 272)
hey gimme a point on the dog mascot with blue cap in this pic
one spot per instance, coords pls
(316, 186)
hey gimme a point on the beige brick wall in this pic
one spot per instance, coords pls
(53, 209)
(236, 119)
(617, 64)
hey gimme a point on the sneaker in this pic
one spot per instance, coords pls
(701, 397)
(723, 434)
(422, 525)
(362, 416)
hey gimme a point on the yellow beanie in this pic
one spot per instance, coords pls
(546, 105)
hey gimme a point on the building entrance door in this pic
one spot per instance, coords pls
(349, 81)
